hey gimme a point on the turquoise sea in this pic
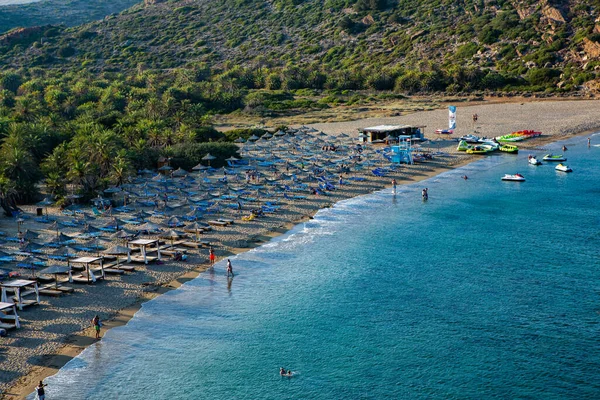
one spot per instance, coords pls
(490, 289)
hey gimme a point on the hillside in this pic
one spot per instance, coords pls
(536, 40)
(57, 12)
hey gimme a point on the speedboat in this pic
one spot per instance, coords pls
(515, 178)
(509, 148)
(563, 168)
(533, 161)
(552, 157)
(470, 138)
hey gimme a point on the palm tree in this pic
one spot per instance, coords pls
(121, 169)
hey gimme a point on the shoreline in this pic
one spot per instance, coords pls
(79, 340)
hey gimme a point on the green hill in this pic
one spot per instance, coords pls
(370, 42)
(57, 12)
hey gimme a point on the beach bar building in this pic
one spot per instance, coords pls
(381, 133)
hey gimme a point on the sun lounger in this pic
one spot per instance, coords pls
(217, 223)
(50, 291)
(114, 271)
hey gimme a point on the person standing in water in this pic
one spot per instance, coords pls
(229, 268)
(211, 255)
(589, 142)
(394, 186)
(39, 390)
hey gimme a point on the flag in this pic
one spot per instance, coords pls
(451, 117)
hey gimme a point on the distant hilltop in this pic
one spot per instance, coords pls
(549, 44)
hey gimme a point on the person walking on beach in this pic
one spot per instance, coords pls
(39, 390)
(229, 268)
(211, 255)
(97, 324)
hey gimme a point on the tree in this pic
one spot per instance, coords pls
(11, 81)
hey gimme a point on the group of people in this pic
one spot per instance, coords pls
(329, 148)
(283, 372)
(425, 194)
(251, 176)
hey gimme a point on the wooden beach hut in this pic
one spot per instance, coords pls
(143, 244)
(21, 288)
(86, 262)
(8, 312)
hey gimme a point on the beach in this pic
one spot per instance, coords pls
(38, 349)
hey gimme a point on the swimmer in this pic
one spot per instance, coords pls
(564, 148)
(465, 177)
(282, 371)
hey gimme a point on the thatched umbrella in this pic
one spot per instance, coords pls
(209, 158)
(240, 140)
(200, 167)
(195, 226)
(179, 173)
(149, 226)
(173, 222)
(55, 270)
(29, 235)
(253, 138)
(172, 235)
(45, 203)
(119, 251)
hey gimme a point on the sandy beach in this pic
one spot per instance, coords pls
(59, 328)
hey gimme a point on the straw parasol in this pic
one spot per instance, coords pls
(172, 235)
(208, 157)
(45, 203)
(240, 140)
(55, 270)
(149, 226)
(119, 251)
(179, 173)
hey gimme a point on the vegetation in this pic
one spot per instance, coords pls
(84, 107)
(68, 12)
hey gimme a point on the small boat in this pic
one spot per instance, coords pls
(482, 149)
(515, 178)
(509, 148)
(551, 157)
(444, 131)
(533, 161)
(563, 168)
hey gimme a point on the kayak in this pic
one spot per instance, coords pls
(551, 157)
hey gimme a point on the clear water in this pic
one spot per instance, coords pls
(490, 289)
